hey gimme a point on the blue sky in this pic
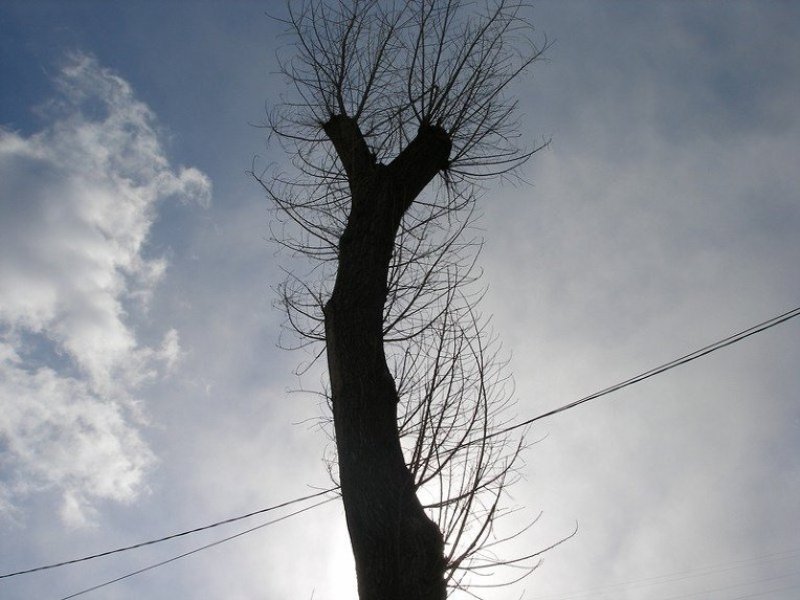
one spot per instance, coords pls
(142, 389)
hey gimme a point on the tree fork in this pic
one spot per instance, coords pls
(399, 551)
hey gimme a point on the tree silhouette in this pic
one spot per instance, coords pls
(397, 111)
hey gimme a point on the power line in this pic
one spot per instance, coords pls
(195, 551)
(718, 345)
(734, 586)
(171, 536)
(732, 339)
(762, 561)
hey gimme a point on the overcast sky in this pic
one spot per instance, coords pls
(142, 391)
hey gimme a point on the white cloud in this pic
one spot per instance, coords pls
(78, 200)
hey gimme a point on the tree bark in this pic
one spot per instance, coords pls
(399, 551)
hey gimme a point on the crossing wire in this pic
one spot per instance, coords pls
(687, 358)
(194, 551)
(171, 536)
(762, 561)
(727, 341)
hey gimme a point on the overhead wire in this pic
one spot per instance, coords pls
(169, 537)
(762, 561)
(760, 593)
(194, 551)
(727, 341)
(687, 358)
(728, 588)
(765, 561)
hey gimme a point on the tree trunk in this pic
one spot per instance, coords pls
(399, 551)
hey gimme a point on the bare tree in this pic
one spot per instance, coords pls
(398, 110)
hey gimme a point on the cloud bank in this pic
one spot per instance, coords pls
(79, 198)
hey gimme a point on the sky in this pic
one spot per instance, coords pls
(143, 390)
